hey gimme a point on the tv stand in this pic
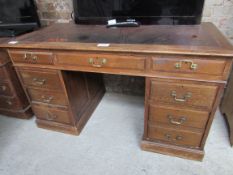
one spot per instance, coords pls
(186, 69)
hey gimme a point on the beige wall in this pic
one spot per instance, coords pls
(220, 12)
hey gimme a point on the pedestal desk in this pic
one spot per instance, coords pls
(185, 67)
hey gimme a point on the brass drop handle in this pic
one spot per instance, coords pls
(176, 122)
(3, 88)
(25, 57)
(193, 66)
(34, 58)
(182, 99)
(169, 137)
(9, 102)
(99, 64)
(38, 81)
(51, 116)
(47, 99)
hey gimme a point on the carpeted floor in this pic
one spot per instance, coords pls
(108, 145)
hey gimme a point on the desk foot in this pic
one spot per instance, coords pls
(172, 150)
(67, 129)
(21, 114)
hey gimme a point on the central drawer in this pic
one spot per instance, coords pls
(41, 78)
(47, 97)
(183, 93)
(176, 137)
(93, 60)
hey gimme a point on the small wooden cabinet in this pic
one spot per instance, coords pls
(13, 101)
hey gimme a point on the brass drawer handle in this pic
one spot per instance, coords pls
(38, 81)
(47, 99)
(3, 88)
(193, 66)
(34, 58)
(169, 138)
(25, 57)
(182, 99)
(98, 64)
(9, 102)
(51, 116)
(31, 57)
(176, 122)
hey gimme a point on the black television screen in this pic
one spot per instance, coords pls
(143, 11)
(17, 16)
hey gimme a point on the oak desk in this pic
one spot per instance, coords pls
(186, 69)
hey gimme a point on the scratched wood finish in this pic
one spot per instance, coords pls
(186, 69)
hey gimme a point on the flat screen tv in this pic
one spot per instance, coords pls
(17, 17)
(143, 11)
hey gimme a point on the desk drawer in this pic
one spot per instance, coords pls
(176, 117)
(10, 103)
(31, 57)
(183, 93)
(5, 89)
(186, 65)
(176, 137)
(102, 60)
(2, 73)
(48, 97)
(52, 114)
(41, 78)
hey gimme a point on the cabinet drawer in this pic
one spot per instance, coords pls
(48, 97)
(102, 60)
(173, 136)
(51, 114)
(175, 117)
(183, 93)
(189, 65)
(31, 57)
(10, 103)
(2, 73)
(5, 89)
(41, 78)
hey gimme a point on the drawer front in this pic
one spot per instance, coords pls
(5, 89)
(41, 78)
(187, 65)
(175, 117)
(51, 114)
(31, 57)
(183, 94)
(102, 61)
(4, 58)
(48, 97)
(176, 137)
(10, 103)
(2, 73)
